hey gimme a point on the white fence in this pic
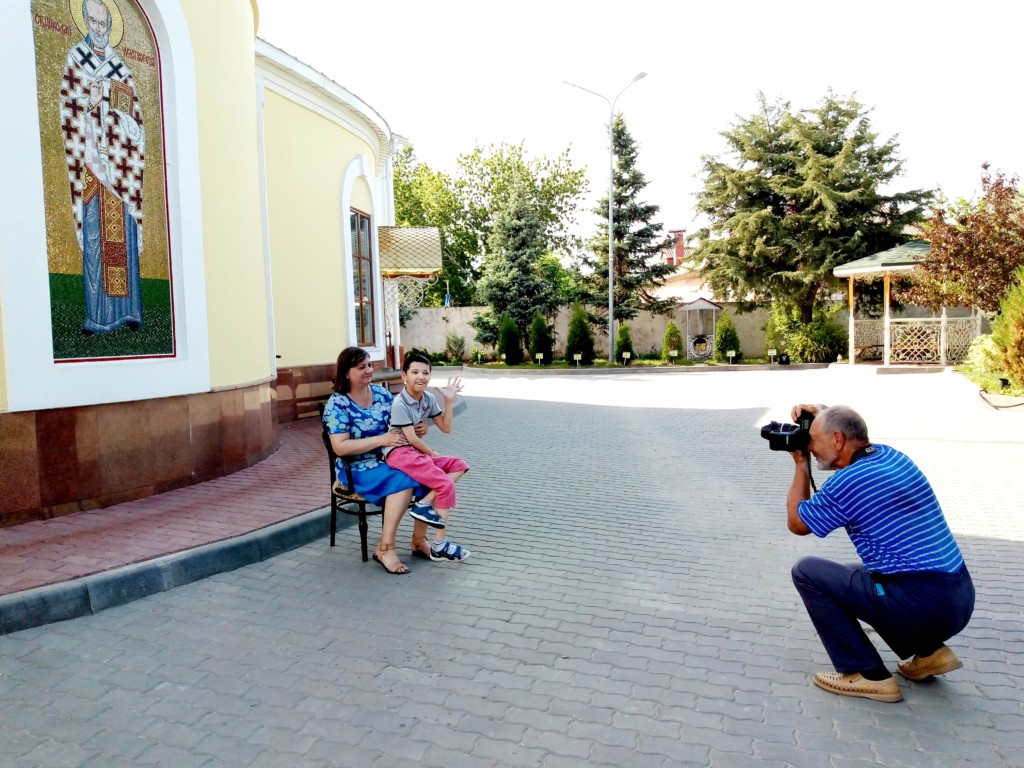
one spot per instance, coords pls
(934, 340)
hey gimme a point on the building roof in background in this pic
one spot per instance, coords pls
(902, 258)
(701, 303)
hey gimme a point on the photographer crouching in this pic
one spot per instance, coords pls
(912, 587)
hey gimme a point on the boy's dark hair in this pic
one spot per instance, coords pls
(415, 357)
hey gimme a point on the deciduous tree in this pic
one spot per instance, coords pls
(488, 178)
(427, 198)
(465, 205)
(975, 248)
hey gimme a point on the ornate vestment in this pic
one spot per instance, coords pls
(105, 148)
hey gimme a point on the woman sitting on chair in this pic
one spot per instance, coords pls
(357, 417)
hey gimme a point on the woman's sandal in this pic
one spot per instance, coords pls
(421, 548)
(382, 551)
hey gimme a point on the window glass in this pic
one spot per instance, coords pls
(362, 277)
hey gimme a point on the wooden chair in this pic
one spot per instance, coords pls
(342, 496)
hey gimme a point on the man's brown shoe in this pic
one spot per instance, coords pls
(854, 684)
(923, 667)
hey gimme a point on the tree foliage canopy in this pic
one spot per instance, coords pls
(488, 179)
(427, 198)
(975, 248)
(1008, 329)
(638, 241)
(797, 194)
(464, 206)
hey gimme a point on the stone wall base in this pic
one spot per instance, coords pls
(55, 462)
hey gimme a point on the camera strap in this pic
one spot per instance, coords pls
(810, 476)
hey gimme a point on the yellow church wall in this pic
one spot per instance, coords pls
(361, 198)
(236, 290)
(306, 158)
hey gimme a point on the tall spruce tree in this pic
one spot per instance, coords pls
(638, 241)
(512, 283)
(796, 195)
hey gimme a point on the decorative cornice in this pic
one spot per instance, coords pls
(315, 90)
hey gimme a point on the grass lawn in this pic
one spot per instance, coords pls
(67, 312)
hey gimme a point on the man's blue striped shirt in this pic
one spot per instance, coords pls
(890, 512)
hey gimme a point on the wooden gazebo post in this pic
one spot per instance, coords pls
(902, 258)
(851, 326)
(886, 343)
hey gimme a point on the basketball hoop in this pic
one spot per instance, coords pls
(406, 291)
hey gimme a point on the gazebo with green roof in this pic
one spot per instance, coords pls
(901, 259)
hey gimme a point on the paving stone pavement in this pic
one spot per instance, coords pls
(628, 603)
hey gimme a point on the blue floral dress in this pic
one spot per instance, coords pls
(373, 479)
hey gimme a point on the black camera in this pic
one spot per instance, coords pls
(789, 437)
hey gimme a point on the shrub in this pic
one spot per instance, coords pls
(1008, 330)
(984, 356)
(509, 343)
(580, 340)
(623, 343)
(455, 346)
(417, 351)
(819, 341)
(405, 314)
(486, 326)
(672, 340)
(726, 338)
(541, 339)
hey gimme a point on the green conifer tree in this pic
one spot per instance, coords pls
(541, 339)
(638, 240)
(797, 194)
(511, 283)
(623, 343)
(580, 339)
(726, 338)
(510, 343)
(672, 340)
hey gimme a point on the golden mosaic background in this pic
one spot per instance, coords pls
(55, 32)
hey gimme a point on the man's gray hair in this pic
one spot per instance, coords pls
(842, 418)
(85, 12)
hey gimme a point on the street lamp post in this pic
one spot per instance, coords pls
(611, 208)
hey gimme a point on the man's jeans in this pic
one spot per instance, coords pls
(914, 613)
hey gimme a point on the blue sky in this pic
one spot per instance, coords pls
(450, 74)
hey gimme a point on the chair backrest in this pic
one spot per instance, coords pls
(326, 437)
(340, 486)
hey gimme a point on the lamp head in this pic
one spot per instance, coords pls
(640, 76)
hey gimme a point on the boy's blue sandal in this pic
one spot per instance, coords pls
(427, 515)
(450, 551)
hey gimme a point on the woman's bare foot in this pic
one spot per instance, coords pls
(421, 548)
(388, 558)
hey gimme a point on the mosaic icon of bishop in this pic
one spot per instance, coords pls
(105, 147)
